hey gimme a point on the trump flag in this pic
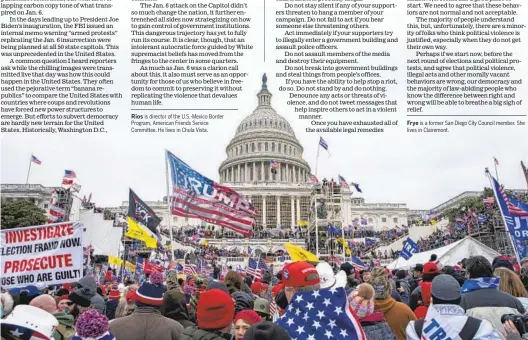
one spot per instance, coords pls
(196, 196)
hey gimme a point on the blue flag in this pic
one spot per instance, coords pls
(321, 314)
(409, 248)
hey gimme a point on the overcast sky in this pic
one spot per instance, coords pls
(422, 170)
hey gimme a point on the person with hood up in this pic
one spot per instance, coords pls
(446, 317)
(113, 301)
(244, 320)
(361, 301)
(146, 322)
(215, 312)
(88, 284)
(174, 307)
(481, 297)
(65, 328)
(396, 313)
(79, 301)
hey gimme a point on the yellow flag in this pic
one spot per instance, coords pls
(130, 266)
(298, 254)
(342, 242)
(302, 223)
(115, 261)
(348, 251)
(433, 222)
(141, 233)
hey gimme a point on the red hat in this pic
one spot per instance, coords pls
(430, 268)
(63, 297)
(67, 286)
(258, 287)
(300, 274)
(114, 294)
(131, 296)
(103, 290)
(215, 309)
(276, 289)
(248, 315)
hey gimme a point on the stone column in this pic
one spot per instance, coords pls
(287, 173)
(264, 210)
(262, 174)
(246, 167)
(299, 174)
(298, 208)
(254, 169)
(278, 211)
(294, 175)
(292, 212)
(279, 174)
(238, 173)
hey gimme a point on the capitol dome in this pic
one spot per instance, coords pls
(264, 148)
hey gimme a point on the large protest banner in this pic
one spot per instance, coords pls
(51, 254)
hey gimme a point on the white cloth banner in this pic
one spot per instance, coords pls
(49, 254)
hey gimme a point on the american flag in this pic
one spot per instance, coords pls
(35, 160)
(190, 269)
(343, 182)
(255, 268)
(321, 314)
(512, 208)
(274, 164)
(313, 179)
(488, 200)
(139, 265)
(70, 174)
(67, 181)
(357, 263)
(196, 196)
(323, 143)
(205, 268)
(336, 260)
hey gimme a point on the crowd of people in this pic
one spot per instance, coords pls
(473, 299)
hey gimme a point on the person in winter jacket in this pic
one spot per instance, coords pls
(88, 283)
(361, 301)
(396, 313)
(481, 297)
(416, 277)
(421, 295)
(174, 307)
(113, 301)
(65, 329)
(510, 283)
(92, 325)
(402, 282)
(147, 322)
(448, 316)
(215, 313)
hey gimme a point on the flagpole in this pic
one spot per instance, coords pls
(502, 215)
(169, 203)
(29, 169)
(317, 159)
(525, 172)
(497, 172)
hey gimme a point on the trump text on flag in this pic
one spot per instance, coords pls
(51, 254)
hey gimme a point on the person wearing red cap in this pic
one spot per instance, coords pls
(244, 320)
(113, 301)
(214, 316)
(299, 277)
(259, 289)
(421, 296)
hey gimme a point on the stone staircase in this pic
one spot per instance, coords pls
(415, 232)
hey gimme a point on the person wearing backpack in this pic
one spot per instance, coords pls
(446, 317)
